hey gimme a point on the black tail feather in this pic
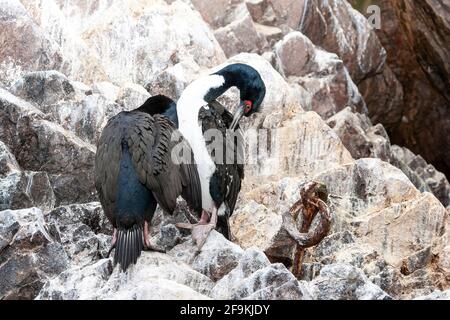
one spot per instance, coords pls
(223, 226)
(129, 246)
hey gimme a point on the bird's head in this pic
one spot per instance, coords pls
(251, 87)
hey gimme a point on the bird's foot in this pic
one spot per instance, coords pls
(203, 221)
(148, 245)
(201, 230)
(200, 233)
(113, 243)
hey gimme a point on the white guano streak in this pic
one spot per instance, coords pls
(188, 107)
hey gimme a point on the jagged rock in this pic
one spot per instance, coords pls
(240, 36)
(83, 230)
(353, 39)
(41, 145)
(44, 88)
(295, 51)
(106, 89)
(30, 256)
(271, 34)
(256, 278)
(23, 42)
(77, 283)
(366, 186)
(130, 51)
(359, 136)
(395, 231)
(322, 74)
(8, 162)
(172, 81)
(436, 182)
(131, 96)
(79, 109)
(416, 37)
(217, 13)
(155, 276)
(341, 281)
(26, 189)
(336, 27)
(216, 258)
(284, 13)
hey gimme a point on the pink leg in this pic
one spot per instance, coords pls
(201, 232)
(113, 242)
(147, 242)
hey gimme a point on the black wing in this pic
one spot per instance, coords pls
(226, 181)
(164, 161)
(150, 143)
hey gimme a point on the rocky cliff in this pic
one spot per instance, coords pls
(66, 67)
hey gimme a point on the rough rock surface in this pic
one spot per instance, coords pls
(416, 37)
(329, 83)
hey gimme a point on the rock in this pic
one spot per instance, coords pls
(77, 283)
(44, 88)
(217, 13)
(41, 145)
(295, 51)
(240, 36)
(357, 44)
(216, 258)
(365, 187)
(24, 43)
(435, 181)
(286, 14)
(353, 39)
(155, 276)
(322, 74)
(8, 162)
(271, 34)
(138, 53)
(29, 254)
(172, 81)
(416, 39)
(106, 89)
(359, 136)
(131, 96)
(344, 282)
(394, 231)
(26, 189)
(437, 295)
(84, 231)
(256, 278)
(74, 106)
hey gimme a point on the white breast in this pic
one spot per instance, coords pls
(188, 107)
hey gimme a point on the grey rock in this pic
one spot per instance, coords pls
(83, 230)
(216, 258)
(8, 162)
(240, 36)
(44, 87)
(422, 173)
(344, 282)
(26, 189)
(41, 145)
(256, 278)
(30, 255)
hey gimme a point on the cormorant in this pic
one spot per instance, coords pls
(197, 113)
(135, 169)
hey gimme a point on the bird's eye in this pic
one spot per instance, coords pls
(248, 106)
